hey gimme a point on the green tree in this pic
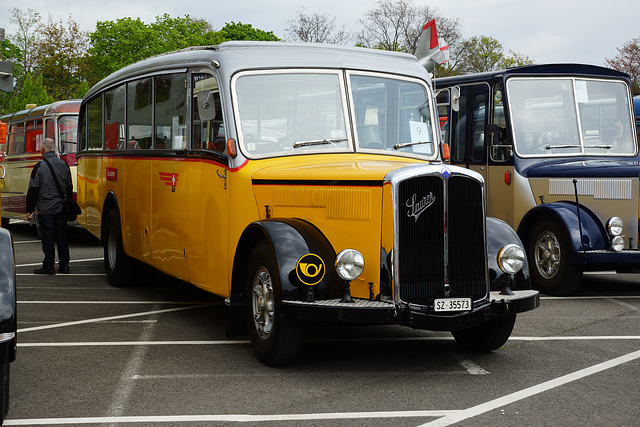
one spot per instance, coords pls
(628, 61)
(26, 37)
(12, 53)
(31, 92)
(115, 44)
(60, 57)
(484, 53)
(240, 31)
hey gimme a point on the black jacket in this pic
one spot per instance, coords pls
(43, 192)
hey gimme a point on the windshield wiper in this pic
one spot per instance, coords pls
(318, 142)
(606, 147)
(407, 144)
(550, 147)
(553, 147)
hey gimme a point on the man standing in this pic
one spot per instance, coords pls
(43, 193)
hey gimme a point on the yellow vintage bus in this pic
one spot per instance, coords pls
(300, 182)
(21, 135)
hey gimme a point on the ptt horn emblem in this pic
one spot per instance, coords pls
(310, 269)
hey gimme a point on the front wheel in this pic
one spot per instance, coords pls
(548, 250)
(488, 336)
(118, 265)
(276, 339)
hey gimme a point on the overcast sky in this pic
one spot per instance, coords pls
(585, 31)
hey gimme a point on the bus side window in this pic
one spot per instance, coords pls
(92, 124)
(16, 139)
(139, 114)
(3, 137)
(33, 136)
(170, 111)
(457, 129)
(49, 129)
(479, 122)
(207, 132)
(114, 137)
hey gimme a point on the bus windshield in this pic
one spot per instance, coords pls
(570, 117)
(295, 112)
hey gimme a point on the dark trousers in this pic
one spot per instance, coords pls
(53, 228)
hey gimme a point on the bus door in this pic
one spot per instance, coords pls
(467, 129)
(207, 205)
(501, 179)
(169, 178)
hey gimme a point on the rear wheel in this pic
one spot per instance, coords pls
(548, 250)
(119, 266)
(276, 339)
(487, 336)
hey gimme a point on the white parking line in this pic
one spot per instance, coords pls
(226, 342)
(532, 391)
(240, 418)
(72, 261)
(119, 302)
(104, 319)
(472, 367)
(66, 275)
(445, 417)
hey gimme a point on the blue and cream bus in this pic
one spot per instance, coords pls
(557, 147)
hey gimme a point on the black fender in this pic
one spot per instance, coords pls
(499, 235)
(289, 240)
(8, 321)
(110, 202)
(594, 236)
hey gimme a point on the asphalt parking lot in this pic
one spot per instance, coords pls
(157, 354)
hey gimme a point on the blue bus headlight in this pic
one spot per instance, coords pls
(349, 264)
(511, 259)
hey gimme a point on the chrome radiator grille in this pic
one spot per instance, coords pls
(440, 221)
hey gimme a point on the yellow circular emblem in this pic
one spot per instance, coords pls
(310, 269)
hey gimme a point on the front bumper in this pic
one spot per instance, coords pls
(419, 317)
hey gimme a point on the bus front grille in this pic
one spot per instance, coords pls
(440, 222)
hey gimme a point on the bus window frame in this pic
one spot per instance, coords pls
(191, 98)
(581, 152)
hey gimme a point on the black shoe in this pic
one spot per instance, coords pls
(63, 269)
(45, 270)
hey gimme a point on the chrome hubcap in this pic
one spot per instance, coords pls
(263, 306)
(547, 254)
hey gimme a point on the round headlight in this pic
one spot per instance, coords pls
(349, 264)
(614, 226)
(617, 243)
(511, 259)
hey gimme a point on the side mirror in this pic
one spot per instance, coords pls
(206, 105)
(455, 98)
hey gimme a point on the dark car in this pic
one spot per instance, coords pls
(7, 316)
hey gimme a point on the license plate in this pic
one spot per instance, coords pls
(452, 304)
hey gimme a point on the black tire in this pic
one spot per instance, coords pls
(276, 339)
(548, 250)
(488, 336)
(118, 265)
(4, 222)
